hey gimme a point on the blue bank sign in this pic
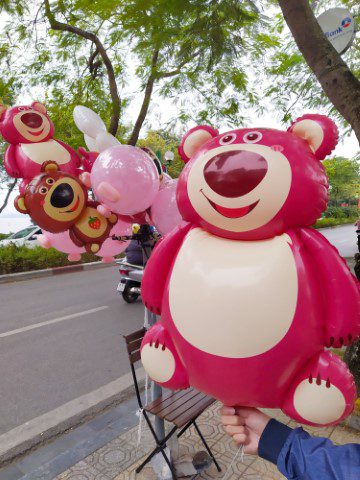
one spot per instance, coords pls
(339, 27)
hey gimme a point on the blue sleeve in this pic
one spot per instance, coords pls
(300, 456)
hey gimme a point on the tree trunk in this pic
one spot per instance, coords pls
(10, 189)
(115, 97)
(146, 101)
(338, 82)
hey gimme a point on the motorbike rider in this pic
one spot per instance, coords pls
(143, 241)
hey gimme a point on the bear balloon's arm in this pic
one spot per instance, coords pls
(158, 266)
(75, 157)
(161, 360)
(10, 162)
(341, 289)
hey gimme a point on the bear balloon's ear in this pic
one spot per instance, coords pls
(49, 167)
(19, 204)
(39, 107)
(194, 139)
(319, 131)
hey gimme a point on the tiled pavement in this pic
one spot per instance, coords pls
(119, 458)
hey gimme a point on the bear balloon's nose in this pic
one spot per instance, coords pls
(32, 120)
(62, 196)
(235, 173)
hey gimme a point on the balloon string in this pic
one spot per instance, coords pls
(242, 453)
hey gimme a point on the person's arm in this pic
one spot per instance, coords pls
(297, 455)
(300, 456)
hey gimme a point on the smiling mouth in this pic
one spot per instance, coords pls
(231, 212)
(74, 207)
(36, 134)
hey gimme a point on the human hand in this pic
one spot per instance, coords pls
(245, 425)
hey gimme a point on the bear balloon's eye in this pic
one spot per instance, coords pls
(43, 190)
(227, 139)
(50, 181)
(23, 109)
(252, 137)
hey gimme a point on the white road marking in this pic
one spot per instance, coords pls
(50, 322)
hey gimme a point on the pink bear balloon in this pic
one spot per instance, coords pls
(164, 211)
(62, 243)
(30, 133)
(125, 179)
(249, 295)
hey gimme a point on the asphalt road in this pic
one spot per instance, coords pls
(45, 367)
(344, 238)
(61, 337)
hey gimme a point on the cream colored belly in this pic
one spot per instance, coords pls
(231, 298)
(44, 151)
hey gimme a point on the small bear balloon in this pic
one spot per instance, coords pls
(249, 295)
(58, 201)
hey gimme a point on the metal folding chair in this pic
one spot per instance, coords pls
(180, 408)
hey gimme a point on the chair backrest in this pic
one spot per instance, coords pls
(133, 343)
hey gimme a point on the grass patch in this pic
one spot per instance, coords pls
(15, 259)
(333, 222)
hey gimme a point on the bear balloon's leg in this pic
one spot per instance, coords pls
(323, 392)
(161, 360)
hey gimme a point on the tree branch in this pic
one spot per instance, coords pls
(177, 70)
(338, 82)
(64, 27)
(10, 189)
(146, 101)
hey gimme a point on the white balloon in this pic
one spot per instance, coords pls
(90, 143)
(88, 121)
(105, 140)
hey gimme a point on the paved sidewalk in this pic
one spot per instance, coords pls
(118, 459)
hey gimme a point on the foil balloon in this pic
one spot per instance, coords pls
(90, 143)
(164, 211)
(110, 248)
(125, 179)
(30, 133)
(88, 121)
(57, 202)
(96, 137)
(249, 295)
(87, 160)
(62, 242)
(106, 140)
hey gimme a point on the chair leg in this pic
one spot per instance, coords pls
(160, 445)
(207, 446)
(183, 430)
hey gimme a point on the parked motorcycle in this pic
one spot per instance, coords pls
(130, 282)
(131, 273)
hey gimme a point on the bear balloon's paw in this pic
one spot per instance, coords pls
(341, 340)
(323, 393)
(161, 361)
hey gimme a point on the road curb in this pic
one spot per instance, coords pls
(48, 272)
(35, 432)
